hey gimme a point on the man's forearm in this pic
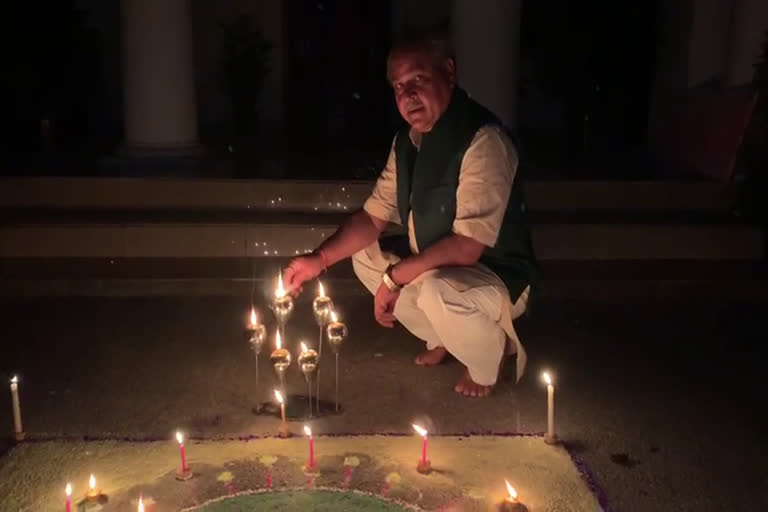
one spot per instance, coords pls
(358, 232)
(452, 250)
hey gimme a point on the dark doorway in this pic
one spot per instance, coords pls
(336, 95)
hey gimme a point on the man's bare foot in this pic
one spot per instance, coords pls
(431, 357)
(467, 387)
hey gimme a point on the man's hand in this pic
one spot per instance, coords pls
(300, 270)
(384, 305)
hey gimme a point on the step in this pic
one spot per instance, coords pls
(334, 196)
(250, 277)
(553, 241)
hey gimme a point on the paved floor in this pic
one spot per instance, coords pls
(660, 399)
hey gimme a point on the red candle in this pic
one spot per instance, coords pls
(311, 446)
(423, 433)
(68, 490)
(180, 439)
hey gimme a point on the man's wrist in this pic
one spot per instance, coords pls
(323, 258)
(389, 281)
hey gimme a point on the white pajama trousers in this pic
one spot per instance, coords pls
(459, 308)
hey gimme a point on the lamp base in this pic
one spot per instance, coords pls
(511, 506)
(185, 475)
(284, 432)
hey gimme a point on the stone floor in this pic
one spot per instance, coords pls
(659, 398)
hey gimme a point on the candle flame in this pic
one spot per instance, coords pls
(511, 490)
(334, 318)
(141, 505)
(68, 490)
(307, 430)
(15, 379)
(278, 341)
(547, 378)
(279, 397)
(304, 347)
(422, 431)
(280, 292)
(92, 483)
(254, 320)
(180, 437)
(322, 290)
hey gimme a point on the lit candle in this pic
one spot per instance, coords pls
(424, 465)
(511, 503)
(321, 306)
(93, 492)
(68, 491)
(17, 428)
(550, 437)
(282, 303)
(281, 359)
(283, 431)
(180, 439)
(308, 432)
(141, 505)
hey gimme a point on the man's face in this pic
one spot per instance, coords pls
(422, 88)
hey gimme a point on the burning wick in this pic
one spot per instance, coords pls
(184, 473)
(18, 431)
(308, 432)
(280, 291)
(68, 492)
(550, 437)
(283, 430)
(93, 492)
(180, 439)
(254, 319)
(424, 466)
(511, 503)
(141, 505)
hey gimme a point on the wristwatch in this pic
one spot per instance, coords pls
(390, 283)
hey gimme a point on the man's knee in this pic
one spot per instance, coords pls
(432, 296)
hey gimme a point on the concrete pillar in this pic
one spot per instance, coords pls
(487, 38)
(706, 42)
(749, 23)
(158, 77)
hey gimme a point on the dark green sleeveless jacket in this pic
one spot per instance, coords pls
(427, 181)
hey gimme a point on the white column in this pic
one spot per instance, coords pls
(749, 22)
(158, 77)
(487, 38)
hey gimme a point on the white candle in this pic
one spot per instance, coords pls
(16, 408)
(550, 437)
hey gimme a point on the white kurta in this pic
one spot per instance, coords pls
(467, 310)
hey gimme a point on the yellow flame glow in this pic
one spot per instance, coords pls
(547, 378)
(511, 490)
(254, 320)
(280, 292)
(141, 505)
(92, 483)
(334, 317)
(68, 490)
(322, 290)
(278, 396)
(179, 437)
(15, 379)
(307, 430)
(422, 431)
(278, 341)
(304, 347)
